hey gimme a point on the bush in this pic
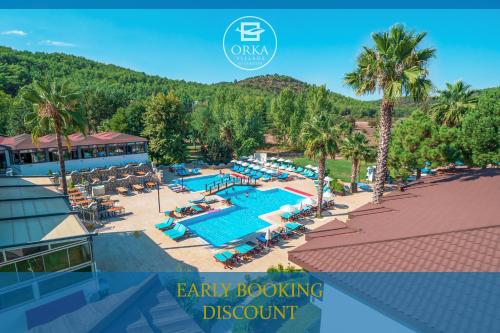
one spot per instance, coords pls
(217, 151)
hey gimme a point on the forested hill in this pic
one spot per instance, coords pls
(106, 88)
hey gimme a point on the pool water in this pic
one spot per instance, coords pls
(197, 184)
(242, 219)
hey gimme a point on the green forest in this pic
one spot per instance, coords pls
(110, 91)
(224, 119)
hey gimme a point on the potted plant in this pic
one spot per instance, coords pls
(338, 188)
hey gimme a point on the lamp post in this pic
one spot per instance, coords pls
(158, 191)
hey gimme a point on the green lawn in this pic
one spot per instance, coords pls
(337, 169)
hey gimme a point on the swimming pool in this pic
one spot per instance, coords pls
(242, 219)
(197, 184)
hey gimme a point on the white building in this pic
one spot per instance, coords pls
(99, 150)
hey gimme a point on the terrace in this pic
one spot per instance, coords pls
(197, 252)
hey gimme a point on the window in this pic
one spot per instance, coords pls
(39, 156)
(8, 275)
(116, 149)
(25, 156)
(56, 261)
(89, 151)
(18, 253)
(54, 154)
(136, 148)
(15, 297)
(61, 281)
(101, 151)
(56, 245)
(79, 255)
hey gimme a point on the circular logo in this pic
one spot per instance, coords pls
(250, 43)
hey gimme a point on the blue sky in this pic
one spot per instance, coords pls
(317, 46)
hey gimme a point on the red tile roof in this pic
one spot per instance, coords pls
(23, 141)
(443, 223)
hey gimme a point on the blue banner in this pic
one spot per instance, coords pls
(250, 302)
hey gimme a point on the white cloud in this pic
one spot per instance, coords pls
(56, 43)
(14, 32)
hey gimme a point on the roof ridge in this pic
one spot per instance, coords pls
(393, 239)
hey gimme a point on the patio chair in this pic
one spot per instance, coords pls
(294, 226)
(177, 232)
(226, 258)
(168, 223)
(266, 178)
(244, 250)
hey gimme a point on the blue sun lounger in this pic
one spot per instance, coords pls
(292, 226)
(364, 187)
(286, 216)
(168, 223)
(177, 232)
(197, 208)
(244, 248)
(224, 257)
(283, 176)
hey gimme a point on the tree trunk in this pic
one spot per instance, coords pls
(419, 173)
(354, 175)
(62, 167)
(383, 148)
(321, 183)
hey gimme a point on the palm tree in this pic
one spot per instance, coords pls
(396, 67)
(55, 107)
(321, 140)
(355, 147)
(453, 103)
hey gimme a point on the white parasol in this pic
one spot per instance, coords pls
(269, 234)
(327, 195)
(287, 208)
(309, 201)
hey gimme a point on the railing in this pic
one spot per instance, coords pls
(228, 182)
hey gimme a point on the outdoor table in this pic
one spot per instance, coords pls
(138, 187)
(83, 202)
(109, 203)
(121, 190)
(125, 175)
(115, 210)
(140, 173)
(150, 184)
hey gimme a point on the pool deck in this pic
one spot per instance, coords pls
(132, 243)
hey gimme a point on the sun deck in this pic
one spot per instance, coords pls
(132, 243)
